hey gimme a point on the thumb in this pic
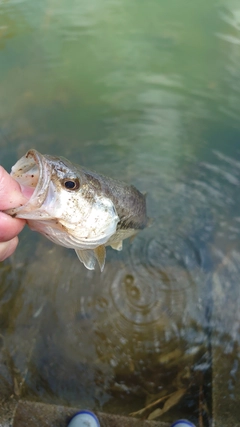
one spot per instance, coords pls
(10, 191)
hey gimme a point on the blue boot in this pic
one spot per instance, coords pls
(182, 423)
(84, 419)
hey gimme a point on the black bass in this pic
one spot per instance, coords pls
(77, 208)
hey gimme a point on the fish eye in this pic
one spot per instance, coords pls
(71, 184)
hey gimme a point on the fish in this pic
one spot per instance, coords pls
(77, 208)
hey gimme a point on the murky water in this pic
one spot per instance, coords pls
(147, 92)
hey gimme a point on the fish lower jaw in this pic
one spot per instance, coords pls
(60, 235)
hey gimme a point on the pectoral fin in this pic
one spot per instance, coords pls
(100, 254)
(117, 245)
(87, 257)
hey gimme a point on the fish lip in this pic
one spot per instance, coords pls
(40, 192)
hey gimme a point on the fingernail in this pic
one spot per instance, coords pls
(27, 191)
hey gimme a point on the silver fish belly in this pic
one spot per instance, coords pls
(77, 208)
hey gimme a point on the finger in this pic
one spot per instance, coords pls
(7, 248)
(10, 191)
(9, 227)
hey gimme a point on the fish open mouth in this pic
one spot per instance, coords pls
(33, 173)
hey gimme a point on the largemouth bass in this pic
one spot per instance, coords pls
(77, 208)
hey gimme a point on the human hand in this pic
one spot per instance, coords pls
(10, 197)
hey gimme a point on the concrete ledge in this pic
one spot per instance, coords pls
(33, 414)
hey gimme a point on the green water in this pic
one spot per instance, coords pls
(148, 92)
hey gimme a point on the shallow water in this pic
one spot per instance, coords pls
(147, 92)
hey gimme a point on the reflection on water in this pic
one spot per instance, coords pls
(138, 331)
(102, 340)
(147, 92)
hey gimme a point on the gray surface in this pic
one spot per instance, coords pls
(226, 343)
(31, 414)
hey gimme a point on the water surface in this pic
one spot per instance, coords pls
(147, 92)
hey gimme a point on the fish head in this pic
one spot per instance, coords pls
(64, 205)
